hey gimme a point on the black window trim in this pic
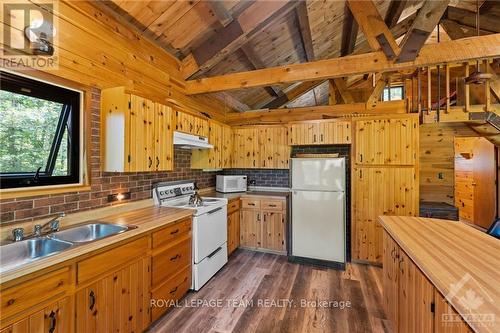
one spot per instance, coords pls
(70, 115)
(388, 88)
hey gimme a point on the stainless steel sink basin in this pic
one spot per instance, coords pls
(89, 232)
(23, 252)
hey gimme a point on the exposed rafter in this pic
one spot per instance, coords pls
(453, 51)
(373, 26)
(223, 15)
(394, 12)
(342, 89)
(258, 16)
(427, 18)
(292, 94)
(305, 30)
(374, 97)
(257, 63)
(468, 18)
(349, 33)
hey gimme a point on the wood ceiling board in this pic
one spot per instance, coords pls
(465, 17)
(453, 51)
(317, 96)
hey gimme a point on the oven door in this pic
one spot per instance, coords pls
(209, 232)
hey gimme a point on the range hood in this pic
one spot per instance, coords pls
(189, 141)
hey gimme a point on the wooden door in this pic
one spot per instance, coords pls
(138, 158)
(464, 177)
(273, 231)
(392, 141)
(233, 231)
(54, 318)
(117, 302)
(391, 279)
(306, 133)
(379, 191)
(275, 151)
(246, 148)
(446, 319)
(250, 228)
(416, 294)
(335, 132)
(163, 138)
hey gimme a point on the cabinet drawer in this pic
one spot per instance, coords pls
(233, 206)
(171, 260)
(35, 291)
(169, 233)
(249, 203)
(277, 205)
(110, 259)
(169, 292)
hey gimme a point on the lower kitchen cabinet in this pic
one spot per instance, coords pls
(118, 302)
(54, 318)
(447, 320)
(263, 224)
(233, 225)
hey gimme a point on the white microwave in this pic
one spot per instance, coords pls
(227, 184)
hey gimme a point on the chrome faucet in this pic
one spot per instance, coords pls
(17, 234)
(53, 225)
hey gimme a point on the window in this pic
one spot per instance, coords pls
(395, 93)
(39, 133)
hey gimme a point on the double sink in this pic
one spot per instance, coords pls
(16, 254)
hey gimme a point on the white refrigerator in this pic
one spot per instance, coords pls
(318, 208)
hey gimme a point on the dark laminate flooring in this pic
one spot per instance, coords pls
(260, 292)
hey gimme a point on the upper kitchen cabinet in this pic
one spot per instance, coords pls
(261, 147)
(191, 124)
(137, 133)
(319, 132)
(219, 157)
(386, 141)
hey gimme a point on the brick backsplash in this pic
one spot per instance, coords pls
(262, 177)
(102, 183)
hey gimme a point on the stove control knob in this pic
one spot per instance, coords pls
(162, 193)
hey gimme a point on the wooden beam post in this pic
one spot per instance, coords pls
(332, 93)
(429, 90)
(305, 30)
(487, 90)
(467, 89)
(374, 97)
(447, 86)
(342, 88)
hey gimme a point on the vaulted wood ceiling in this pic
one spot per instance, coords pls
(268, 33)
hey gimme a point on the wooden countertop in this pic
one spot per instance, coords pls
(146, 219)
(458, 260)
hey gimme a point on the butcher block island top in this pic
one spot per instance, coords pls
(145, 220)
(459, 260)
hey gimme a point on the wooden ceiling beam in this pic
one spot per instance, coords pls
(305, 30)
(342, 89)
(394, 12)
(349, 33)
(446, 52)
(258, 16)
(373, 26)
(257, 63)
(223, 15)
(292, 94)
(466, 17)
(374, 97)
(270, 116)
(427, 19)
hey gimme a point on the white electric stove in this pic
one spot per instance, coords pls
(209, 226)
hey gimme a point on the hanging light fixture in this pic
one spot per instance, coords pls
(478, 77)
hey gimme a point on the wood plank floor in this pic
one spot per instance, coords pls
(259, 292)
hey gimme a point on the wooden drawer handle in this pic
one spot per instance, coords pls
(53, 322)
(91, 300)
(272, 206)
(251, 204)
(174, 232)
(177, 256)
(173, 290)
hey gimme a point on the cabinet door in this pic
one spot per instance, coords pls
(335, 132)
(398, 196)
(246, 148)
(55, 318)
(275, 151)
(446, 319)
(233, 231)
(149, 135)
(416, 294)
(273, 231)
(303, 133)
(163, 138)
(387, 141)
(250, 228)
(117, 302)
(138, 159)
(391, 279)
(227, 147)
(215, 138)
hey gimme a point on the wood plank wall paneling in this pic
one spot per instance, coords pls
(437, 160)
(119, 57)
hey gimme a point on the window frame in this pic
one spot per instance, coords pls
(388, 89)
(20, 84)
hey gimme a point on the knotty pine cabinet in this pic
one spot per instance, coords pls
(411, 301)
(262, 224)
(219, 157)
(261, 147)
(319, 132)
(191, 124)
(233, 225)
(137, 134)
(385, 179)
